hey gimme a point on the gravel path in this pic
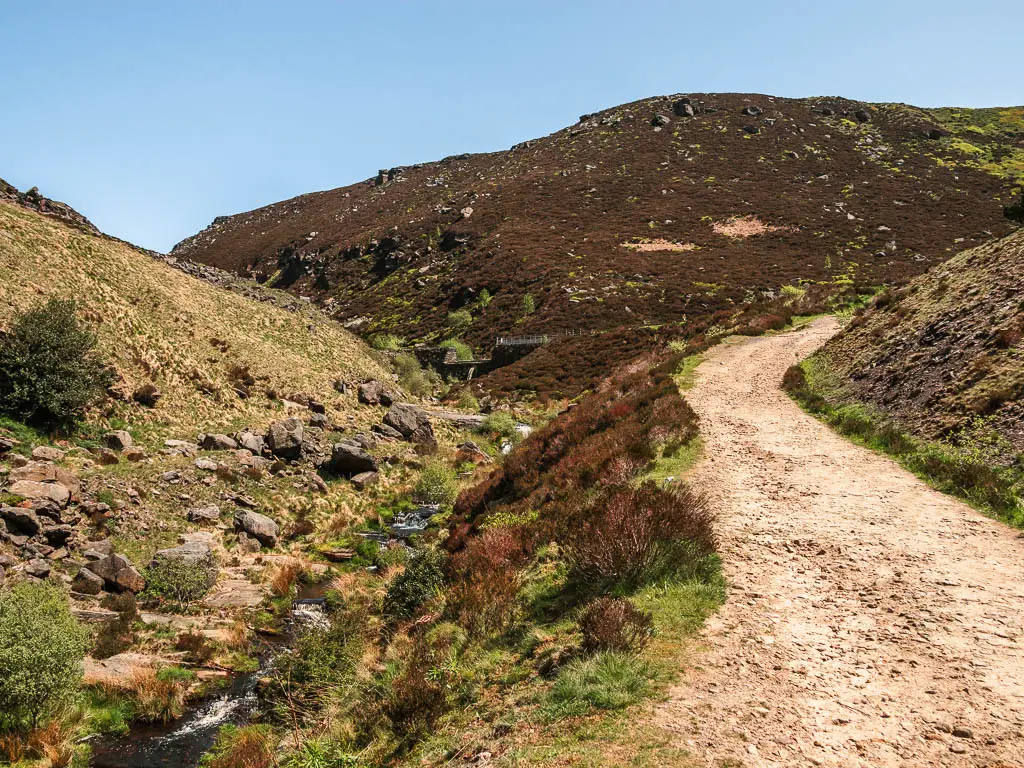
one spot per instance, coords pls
(871, 621)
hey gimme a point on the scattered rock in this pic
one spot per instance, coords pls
(252, 441)
(183, 447)
(29, 489)
(963, 733)
(39, 569)
(119, 574)
(348, 458)
(147, 395)
(683, 108)
(22, 521)
(752, 111)
(659, 121)
(7, 444)
(320, 421)
(87, 583)
(341, 387)
(135, 453)
(285, 438)
(247, 543)
(207, 514)
(862, 115)
(107, 457)
(117, 440)
(387, 432)
(217, 442)
(370, 392)
(471, 452)
(57, 535)
(47, 453)
(258, 526)
(753, 130)
(364, 480)
(208, 465)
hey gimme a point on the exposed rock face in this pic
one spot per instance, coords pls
(34, 200)
(285, 438)
(29, 489)
(47, 453)
(118, 574)
(118, 440)
(259, 527)
(39, 472)
(348, 458)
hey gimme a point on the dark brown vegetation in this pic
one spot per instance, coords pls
(616, 223)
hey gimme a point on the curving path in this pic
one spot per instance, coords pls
(871, 621)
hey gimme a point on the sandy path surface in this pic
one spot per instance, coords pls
(871, 621)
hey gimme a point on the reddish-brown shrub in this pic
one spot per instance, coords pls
(615, 624)
(631, 533)
(418, 696)
(485, 580)
(794, 379)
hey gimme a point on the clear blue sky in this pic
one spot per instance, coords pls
(153, 117)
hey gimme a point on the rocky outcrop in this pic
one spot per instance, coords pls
(118, 440)
(118, 574)
(413, 424)
(217, 442)
(348, 458)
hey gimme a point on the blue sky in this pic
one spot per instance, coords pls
(153, 117)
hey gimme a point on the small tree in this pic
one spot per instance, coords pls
(529, 306)
(458, 322)
(436, 485)
(50, 371)
(41, 652)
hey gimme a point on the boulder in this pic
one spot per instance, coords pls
(7, 444)
(252, 441)
(320, 421)
(389, 433)
(284, 438)
(370, 392)
(348, 458)
(37, 568)
(207, 514)
(117, 440)
(47, 453)
(752, 111)
(135, 453)
(471, 452)
(364, 480)
(87, 583)
(118, 574)
(247, 543)
(39, 472)
(21, 521)
(405, 418)
(259, 527)
(659, 121)
(207, 465)
(341, 387)
(753, 130)
(683, 108)
(183, 447)
(217, 442)
(317, 407)
(862, 115)
(107, 457)
(29, 489)
(147, 395)
(423, 438)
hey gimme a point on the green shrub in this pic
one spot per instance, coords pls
(462, 350)
(419, 582)
(502, 424)
(484, 299)
(436, 485)
(386, 342)
(604, 681)
(412, 377)
(180, 580)
(529, 305)
(41, 652)
(459, 321)
(50, 371)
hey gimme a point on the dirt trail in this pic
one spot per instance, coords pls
(872, 621)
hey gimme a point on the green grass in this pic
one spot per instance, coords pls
(970, 466)
(674, 462)
(604, 681)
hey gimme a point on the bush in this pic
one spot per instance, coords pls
(502, 424)
(180, 580)
(412, 377)
(386, 342)
(794, 379)
(436, 485)
(631, 534)
(459, 321)
(529, 305)
(487, 580)
(418, 696)
(41, 652)
(50, 372)
(615, 624)
(604, 681)
(419, 582)
(116, 635)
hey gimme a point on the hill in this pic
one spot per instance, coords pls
(665, 210)
(214, 355)
(946, 348)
